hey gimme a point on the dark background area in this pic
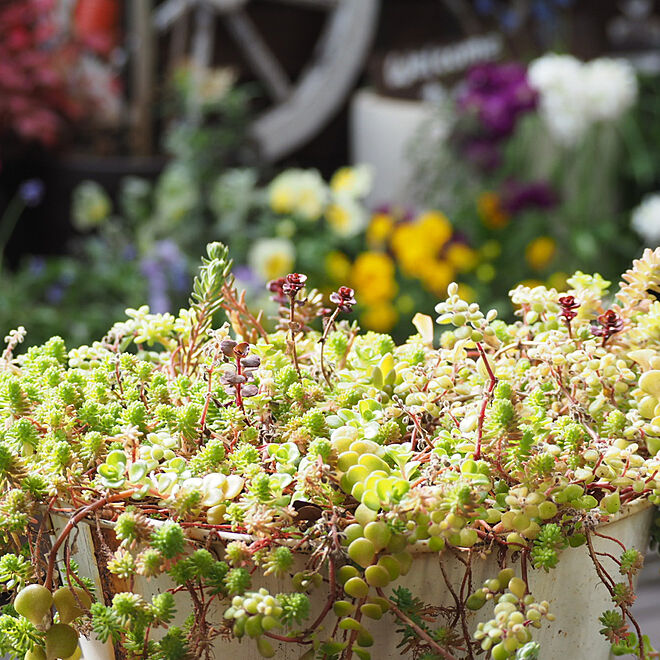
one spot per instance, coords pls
(291, 33)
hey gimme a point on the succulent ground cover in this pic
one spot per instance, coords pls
(340, 446)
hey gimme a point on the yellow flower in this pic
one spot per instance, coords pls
(282, 199)
(380, 317)
(435, 228)
(271, 258)
(346, 216)
(437, 275)
(337, 266)
(410, 248)
(373, 277)
(540, 252)
(354, 181)
(558, 281)
(466, 292)
(300, 192)
(461, 256)
(380, 228)
(489, 207)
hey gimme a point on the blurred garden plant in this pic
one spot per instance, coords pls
(534, 169)
(142, 247)
(336, 449)
(39, 97)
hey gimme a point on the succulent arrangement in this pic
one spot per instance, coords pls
(317, 446)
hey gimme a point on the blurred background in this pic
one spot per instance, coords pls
(390, 145)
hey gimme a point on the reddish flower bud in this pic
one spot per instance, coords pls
(344, 298)
(293, 283)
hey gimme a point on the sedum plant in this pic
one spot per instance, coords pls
(226, 457)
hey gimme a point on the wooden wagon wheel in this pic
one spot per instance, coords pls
(299, 108)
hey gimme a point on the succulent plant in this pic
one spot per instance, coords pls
(518, 436)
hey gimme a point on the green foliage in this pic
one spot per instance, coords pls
(548, 544)
(15, 571)
(168, 539)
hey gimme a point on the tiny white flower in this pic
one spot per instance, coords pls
(646, 220)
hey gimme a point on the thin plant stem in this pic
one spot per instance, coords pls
(326, 330)
(292, 340)
(94, 506)
(484, 404)
(419, 631)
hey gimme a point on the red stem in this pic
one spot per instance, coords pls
(94, 506)
(484, 405)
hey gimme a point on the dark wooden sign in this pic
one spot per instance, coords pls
(414, 72)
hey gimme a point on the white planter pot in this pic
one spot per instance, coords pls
(576, 595)
(381, 131)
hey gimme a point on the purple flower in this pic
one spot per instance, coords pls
(157, 281)
(129, 253)
(31, 192)
(37, 265)
(171, 257)
(482, 153)
(519, 196)
(55, 293)
(498, 94)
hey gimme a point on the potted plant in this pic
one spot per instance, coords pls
(182, 486)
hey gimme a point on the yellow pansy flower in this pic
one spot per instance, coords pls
(372, 277)
(380, 228)
(271, 258)
(346, 216)
(540, 252)
(300, 192)
(380, 317)
(403, 235)
(410, 248)
(436, 276)
(489, 207)
(461, 256)
(337, 266)
(435, 228)
(353, 181)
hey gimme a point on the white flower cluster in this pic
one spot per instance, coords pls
(646, 220)
(574, 95)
